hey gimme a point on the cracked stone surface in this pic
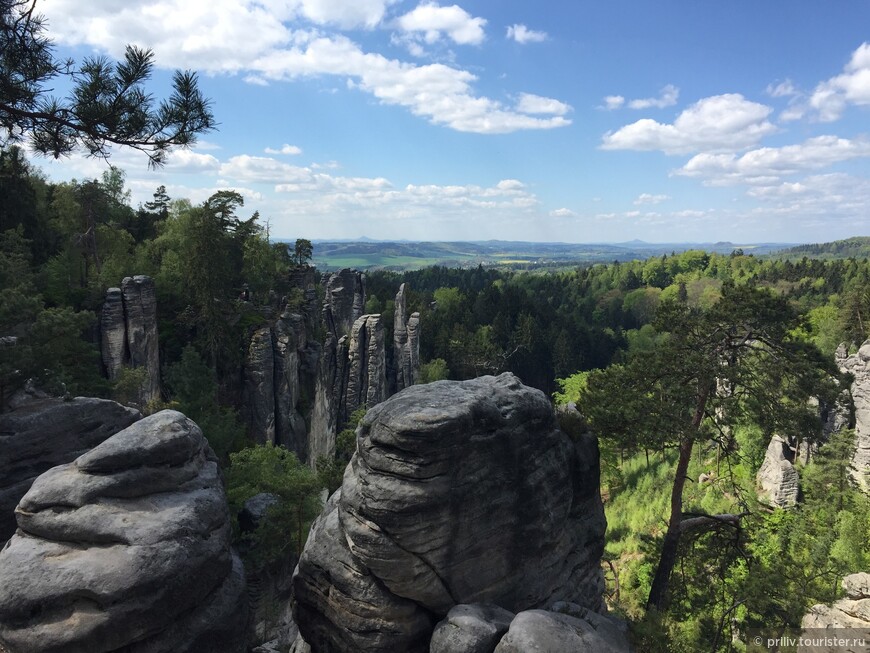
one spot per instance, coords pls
(127, 547)
(459, 492)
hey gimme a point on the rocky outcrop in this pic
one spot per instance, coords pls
(42, 433)
(127, 548)
(778, 481)
(459, 492)
(471, 629)
(259, 394)
(366, 366)
(345, 298)
(858, 364)
(140, 310)
(554, 632)
(128, 333)
(113, 329)
(406, 343)
(853, 611)
(291, 346)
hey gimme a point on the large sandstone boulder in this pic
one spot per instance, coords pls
(459, 492)
(127, 548)
(471, 629)
(847, 618)
(42, 433)
(778, 481)
(552, 632)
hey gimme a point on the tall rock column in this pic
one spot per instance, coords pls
(366, 362)
(346, 298)
(113, 333)
(260, 386)
(858, 364)
(140, 310)
(406, 343)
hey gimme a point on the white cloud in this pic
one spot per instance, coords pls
(612, 102)
(345, 14)
(522, 34)
(768, 165)
(830, 98)
(432, 22)
(783, 89)
(535, 104)
(647, 198)
(719, 123)
(285, 149)
(667, 98)
(562, 213)
(214, 37)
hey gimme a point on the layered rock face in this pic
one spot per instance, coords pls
(299, 392)
(128, 326)
(778, 481)
(127, 548)
(345, 298)
(851, 612)
(459, 492)
(858, 365)
(43, 433)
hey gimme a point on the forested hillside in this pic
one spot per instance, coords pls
(569, 334)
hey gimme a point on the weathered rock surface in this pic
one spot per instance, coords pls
(290, 343)
(552, 632)
(778, 481)
(471, 628)
(852, 612)
(43, 433)
(140, 310)
(113, 332)
(260, 387)
(346, 298)
(366, 366)
(341, 607)
(127, 548)
(858, 365)
(459, 492)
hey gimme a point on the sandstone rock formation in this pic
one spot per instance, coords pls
(852, 612)
(127, 548)
(346, 298)
(471, 629)
(43, 433)
(128, 327)
(858, 365)
(366, 366)
(553, 632)
(777, 478)
(459, 492)
(259, 394)
(406, 344)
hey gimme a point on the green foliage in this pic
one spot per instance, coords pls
(107, 103)
(434, 370)
(571, 388)
(331, 470)
(194, 391)
(302, 251)
(277, 471)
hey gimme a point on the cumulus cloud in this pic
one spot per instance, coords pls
(522, 34)
(214, 37)
(284, 149)
(344, 14)
(667, 98)
(830, 98)
(612, 102)
(727, 122)
(535, 104)
(562, 213)
(768, 165)
(647, 198)
(432, 22)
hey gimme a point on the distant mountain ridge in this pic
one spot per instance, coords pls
(407, 255)
(855, 247)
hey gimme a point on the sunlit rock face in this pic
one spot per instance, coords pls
(858, 364)
(459, 492)
(126, 548)
(778, 481)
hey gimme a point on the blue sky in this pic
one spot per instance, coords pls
(550, 121)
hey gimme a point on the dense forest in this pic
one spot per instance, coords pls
(219, 276)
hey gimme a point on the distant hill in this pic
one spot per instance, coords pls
(407, 255)
(856, 247)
